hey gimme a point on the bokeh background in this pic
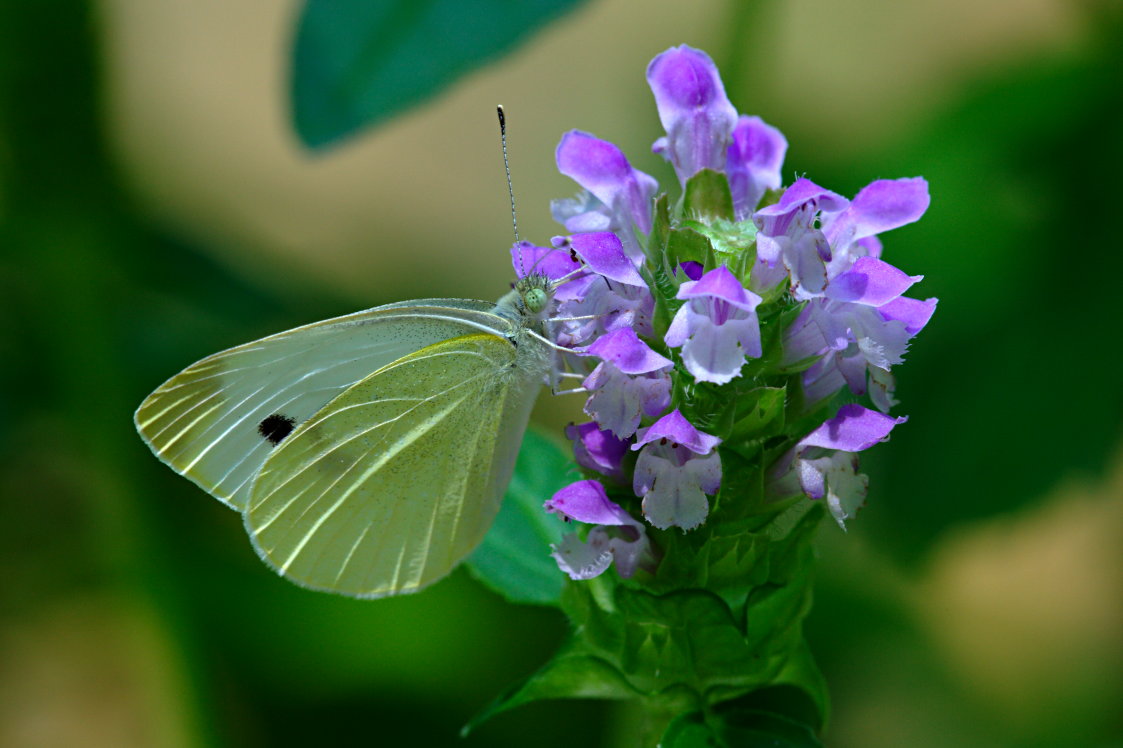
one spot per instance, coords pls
(155, 206)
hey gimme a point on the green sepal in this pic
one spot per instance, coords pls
(738, 727)
(663, 285)
(742, 490)
(660, 230)
(733, 244)
(727, 622)
(707, 196)
(685, 244)
(514, 558)
(683, 649)
(758, 414)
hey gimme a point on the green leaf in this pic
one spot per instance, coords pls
(514, 559)
(571, 674)
(707, 196)
(800, 690)
(357, 62)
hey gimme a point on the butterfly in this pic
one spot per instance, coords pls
(368, 454)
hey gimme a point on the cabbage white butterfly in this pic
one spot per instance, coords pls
(368, 454)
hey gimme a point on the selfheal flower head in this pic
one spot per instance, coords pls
(694, 110)
(717, 327)
(746, 309)
(677, 467)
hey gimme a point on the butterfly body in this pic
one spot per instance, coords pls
(369, 453)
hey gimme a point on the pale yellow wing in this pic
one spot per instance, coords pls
(217, 421)
(395, 481)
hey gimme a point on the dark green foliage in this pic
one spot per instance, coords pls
(358, 62)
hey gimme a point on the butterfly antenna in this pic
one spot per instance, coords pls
(507, 168)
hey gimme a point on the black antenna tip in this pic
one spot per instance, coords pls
(507, 168)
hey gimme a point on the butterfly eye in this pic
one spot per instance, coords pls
(536, 299)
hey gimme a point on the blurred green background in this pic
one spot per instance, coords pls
(155, 207)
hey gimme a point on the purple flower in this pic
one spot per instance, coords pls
(717, 327)
(677, 467)
(753, 163)
(691, 269)
(880, 206)
(616, 536)
(616, 198)
(862, 325)
(824, 465)
(611, 296)
(549, 261)
(694, 110)
(788, 236)
(598, 449)
(631, 381)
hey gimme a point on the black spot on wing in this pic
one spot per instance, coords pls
(276, 427)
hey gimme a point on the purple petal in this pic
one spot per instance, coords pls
(583, 560)
(812, 480)
(854, 428)
(693, 108)
(604, 254)
(597, 449)
(880, 206)
(753, 162)
(630, 354)
(691, 269)
(870, 245)
(586, 501)
(887, 204)
(618, 401)
(631, 555)
(602, 169)
(914, 313)
(871, 282)
(552, 263)
(716, 353)
(676, 429)
(720, 283)
(804, 191)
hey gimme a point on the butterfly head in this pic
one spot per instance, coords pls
(534, 293)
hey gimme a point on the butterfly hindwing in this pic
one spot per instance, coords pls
(218, 421)
(396, 480)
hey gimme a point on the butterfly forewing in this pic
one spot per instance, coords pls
(396, 480)
(218, 421)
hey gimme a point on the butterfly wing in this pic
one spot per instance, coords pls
(396, 480)
(217, 421)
